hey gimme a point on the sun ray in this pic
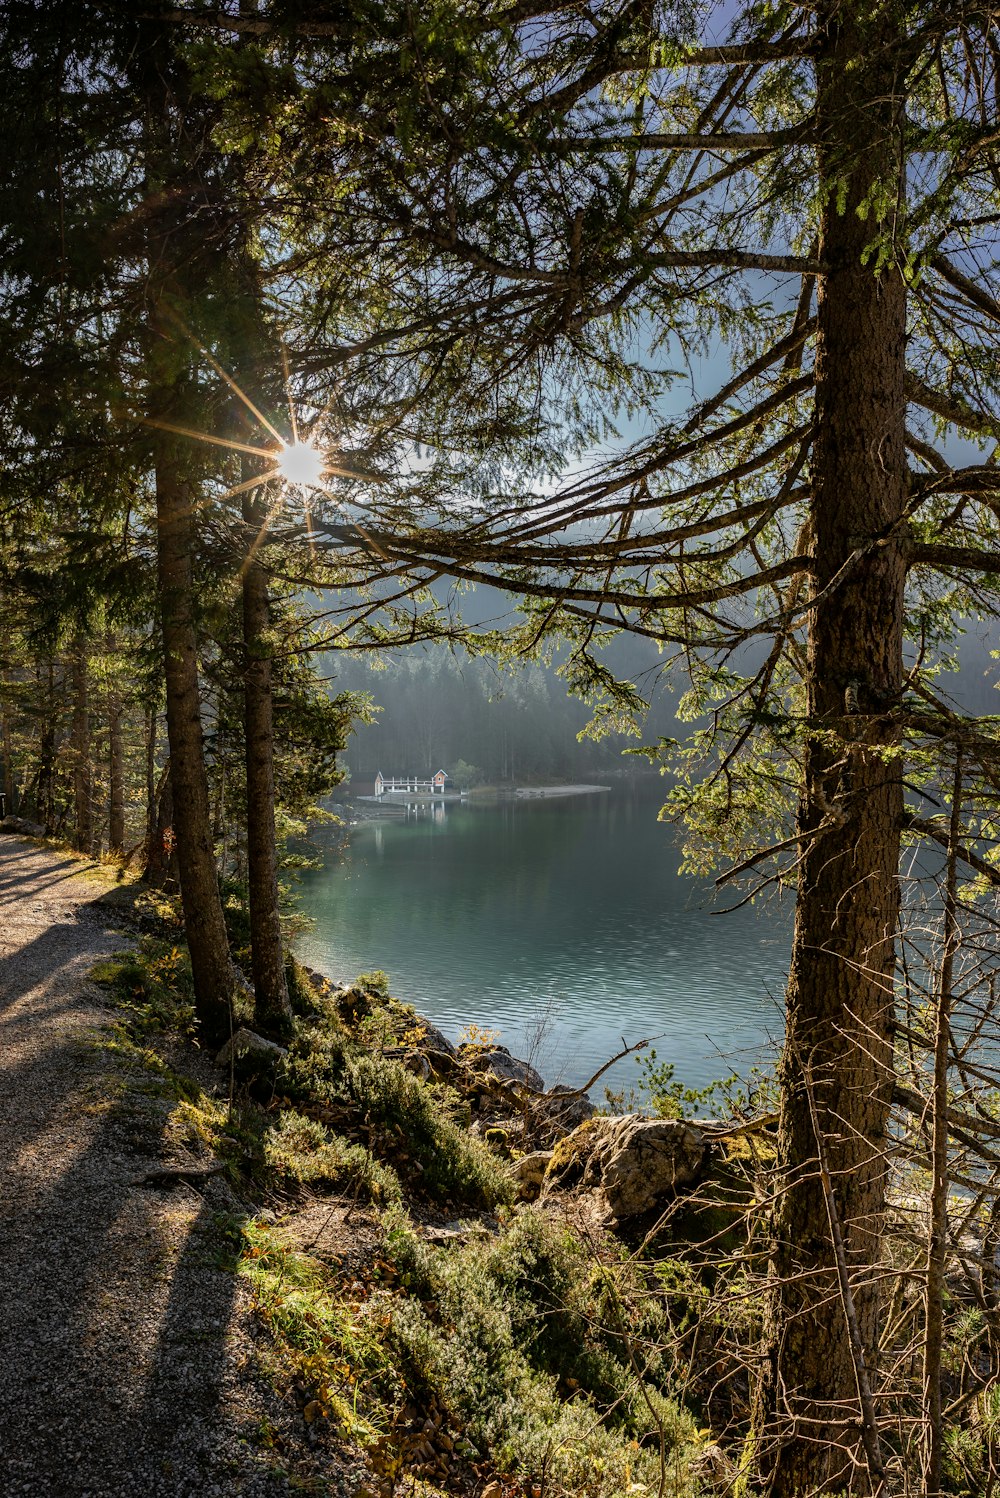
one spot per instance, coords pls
(338, 471)
(225, 375)
(370, 540)
(254, 483)
(239, 447)
(288, 393)
(324, 413)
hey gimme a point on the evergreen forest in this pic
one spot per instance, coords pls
(499, 384)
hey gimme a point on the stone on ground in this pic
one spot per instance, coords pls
(634, 1164)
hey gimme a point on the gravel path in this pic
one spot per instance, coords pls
(127, 1356)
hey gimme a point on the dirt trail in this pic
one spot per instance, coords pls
(126, 1353)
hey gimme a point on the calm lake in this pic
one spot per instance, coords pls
(564, 925)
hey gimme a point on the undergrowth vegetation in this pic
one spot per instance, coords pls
(515, 1353)
(463, 1340)
(551, 1354)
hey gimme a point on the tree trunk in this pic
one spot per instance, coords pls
(840, 992)
(116, 777)
(204, 925)
(83, 813)
(272, 1010)
(160, 868)
(179, 252)
(151, 797)
(45, 781)
(7, 748)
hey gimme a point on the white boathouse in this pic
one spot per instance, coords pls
(418, 785)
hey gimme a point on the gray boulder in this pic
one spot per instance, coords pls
(23, 827)
(498, 1062)
(432, 1039)
(320, 981)
(633, 1163)
(251, 1055)
(563, 1108)
(414, 1061)
(529, 1174)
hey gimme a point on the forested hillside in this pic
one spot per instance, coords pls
(507, 723)
(516, 722)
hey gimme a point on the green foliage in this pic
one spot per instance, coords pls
(524, 1339)
(671, 1099)
(407, 1117)
(466, 776)
(376, 983)
(336, 1352)
(154, 984)
(317, 1056)
(408, 1122)
(299, 1149)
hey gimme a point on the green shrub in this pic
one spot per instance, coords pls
(155, 984)
(514, 1339)
(314, 1067)
(453, 1163)
(303, 1150)
(336, 1350)
(376, 982)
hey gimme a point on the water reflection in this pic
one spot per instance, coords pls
(564, 917)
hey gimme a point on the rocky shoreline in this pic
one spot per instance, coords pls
(554, 1139)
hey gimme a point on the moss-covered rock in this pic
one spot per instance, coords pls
(634, 1163)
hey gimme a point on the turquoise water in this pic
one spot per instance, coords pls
(564, 925)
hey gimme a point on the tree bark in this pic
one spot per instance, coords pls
(272, 1009)
(7, 749)
(116, 776)
(204, 925)
(83, 812)
(160, 869)
(840, 992)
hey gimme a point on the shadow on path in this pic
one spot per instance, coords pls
(118, 1341)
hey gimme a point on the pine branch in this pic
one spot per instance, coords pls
(981, 300)
(778, 351)
(936, 554)
(950, 408)
(931, 830)
(662, 456)
(752, 54)
(421, 551)
(976, 479)
(915, 1104)
(687, 140)
(792, 265)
